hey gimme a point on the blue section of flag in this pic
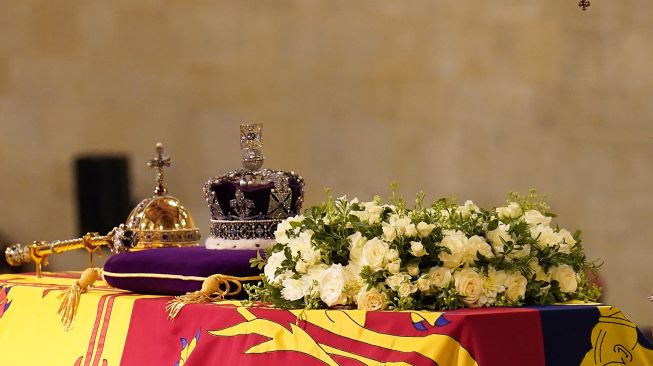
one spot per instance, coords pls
(567, 334)
(6, 306)
(420, 326)
(442, 321)
(184, 343)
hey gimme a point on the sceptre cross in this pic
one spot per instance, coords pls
(584, 4)
(159, 162)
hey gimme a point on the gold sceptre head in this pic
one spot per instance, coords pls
(119, 240)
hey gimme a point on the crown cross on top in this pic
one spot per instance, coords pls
(159, 162)
(251, 142)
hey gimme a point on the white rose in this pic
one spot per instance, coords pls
(301, 267)
(406, 289)
(498, 236)
(411, 230)
(424, 283)
(417, 249)
(535, 217)
(331, 285)
(566, 277)
(356, 243)
(456, 243)
(412, 269)
(467, 209)
(396, 280)
(440, 276)
(469, 284)
(401, 224)
(476, 244)
(374, 253)
(363, 216)
(274, 262)
(515, 286)
(540, 275)
(394, 266)
(393, 254)
(512, 211)
(292, 289)
(544, 235)
(567, 241)
(389, 232)
(371, 300)
(424, 229)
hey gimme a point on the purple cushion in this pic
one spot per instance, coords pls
(188, 261)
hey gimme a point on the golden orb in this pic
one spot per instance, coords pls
(161, 221)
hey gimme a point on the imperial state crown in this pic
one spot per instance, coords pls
(247, 204)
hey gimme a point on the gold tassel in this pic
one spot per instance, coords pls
(71, 296)
(214, 288)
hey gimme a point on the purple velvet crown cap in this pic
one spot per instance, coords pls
(260, 194)
(185, 261)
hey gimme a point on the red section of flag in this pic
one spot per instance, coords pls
(494, 337)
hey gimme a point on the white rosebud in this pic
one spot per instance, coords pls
(412, 269)
(372, 300)
(498, 236)
(456, 243)
(374, 253)
(411, 230)
(301, 267)
(440, 276)
(393, 254)
(332, 284)
(406, 289)
(417, 249)
(396, 280)
(469, 284)
(535, 217)
(424, 229)
(356, 243)
(394, 266)
(512, 211)
(424, 284)
(389, 232)
(566, 240)
(515, 286)
(566, 277)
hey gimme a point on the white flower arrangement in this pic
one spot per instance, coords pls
(378, 256)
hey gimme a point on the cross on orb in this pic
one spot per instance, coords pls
(159, 162)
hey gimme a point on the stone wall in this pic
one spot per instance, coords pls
(463, 98)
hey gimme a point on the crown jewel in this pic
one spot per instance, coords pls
(247, 204)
